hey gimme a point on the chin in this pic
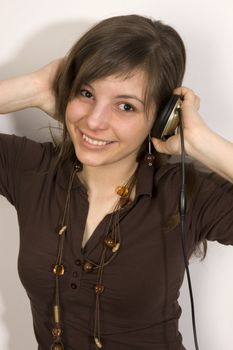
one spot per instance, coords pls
(89, 160)
(103, 158)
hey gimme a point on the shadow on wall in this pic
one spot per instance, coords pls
(37, 50)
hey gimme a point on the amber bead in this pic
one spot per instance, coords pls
(87, 267)
(122, 191)
(149, 158)
(59, 270)
(99, 289)
(57, 346)
(110, 243)
(56, 332)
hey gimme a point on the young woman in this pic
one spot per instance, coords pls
(100, 249)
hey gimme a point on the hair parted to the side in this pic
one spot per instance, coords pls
(118, 46)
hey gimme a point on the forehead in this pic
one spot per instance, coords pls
(134, 81)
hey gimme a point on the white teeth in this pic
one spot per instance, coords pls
(94, 142)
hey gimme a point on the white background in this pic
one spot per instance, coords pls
(34, 32)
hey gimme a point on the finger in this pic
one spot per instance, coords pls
(189, 96)
(186, 93)
(177, 91)
(159, 145)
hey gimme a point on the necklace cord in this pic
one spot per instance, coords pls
(113, 238)
(59, 269)
(182, 210)
(116, 239)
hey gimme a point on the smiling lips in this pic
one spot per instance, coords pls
(95, 142)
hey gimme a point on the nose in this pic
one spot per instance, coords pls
(98, 117)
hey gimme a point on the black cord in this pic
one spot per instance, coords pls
(182, 210)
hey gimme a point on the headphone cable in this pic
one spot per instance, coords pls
(182, 210)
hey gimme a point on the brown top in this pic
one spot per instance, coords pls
(139, 308)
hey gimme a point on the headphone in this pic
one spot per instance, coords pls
(166, 123)
(167, 119)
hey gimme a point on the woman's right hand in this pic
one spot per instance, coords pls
(31, 90)
(44, 78)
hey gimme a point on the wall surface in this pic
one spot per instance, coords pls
(34, 32)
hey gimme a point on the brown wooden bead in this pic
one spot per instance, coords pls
(99, 289)
(78, 167)
(59, 270)
(87, 267)
(149, 158)
(122, 191)
(110, 243)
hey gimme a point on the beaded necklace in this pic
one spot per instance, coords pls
(111, 243)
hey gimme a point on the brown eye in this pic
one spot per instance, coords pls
(86, 93)
(126, 107)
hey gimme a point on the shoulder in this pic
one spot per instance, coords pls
(168, 180)
(26, 152)
(167, 172)
(171, 173)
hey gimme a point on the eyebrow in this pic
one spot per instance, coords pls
(131, 97)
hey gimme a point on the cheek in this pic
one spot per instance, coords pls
(74, 111)
(135, 133)
(71, 118)
(71, 113)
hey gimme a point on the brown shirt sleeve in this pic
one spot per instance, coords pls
(212, 209)
(9, 163)
(18, 156)
(210, 206)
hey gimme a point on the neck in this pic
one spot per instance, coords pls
(104, 179)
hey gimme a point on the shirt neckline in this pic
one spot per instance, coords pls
(144, 182)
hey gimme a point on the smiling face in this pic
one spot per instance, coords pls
(107, 121)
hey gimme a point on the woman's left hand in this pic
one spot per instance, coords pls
(201, 143)
(193, 124)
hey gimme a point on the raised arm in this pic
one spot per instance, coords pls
(201, 143)
(31, 90)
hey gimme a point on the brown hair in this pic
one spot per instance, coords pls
(119, 45)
